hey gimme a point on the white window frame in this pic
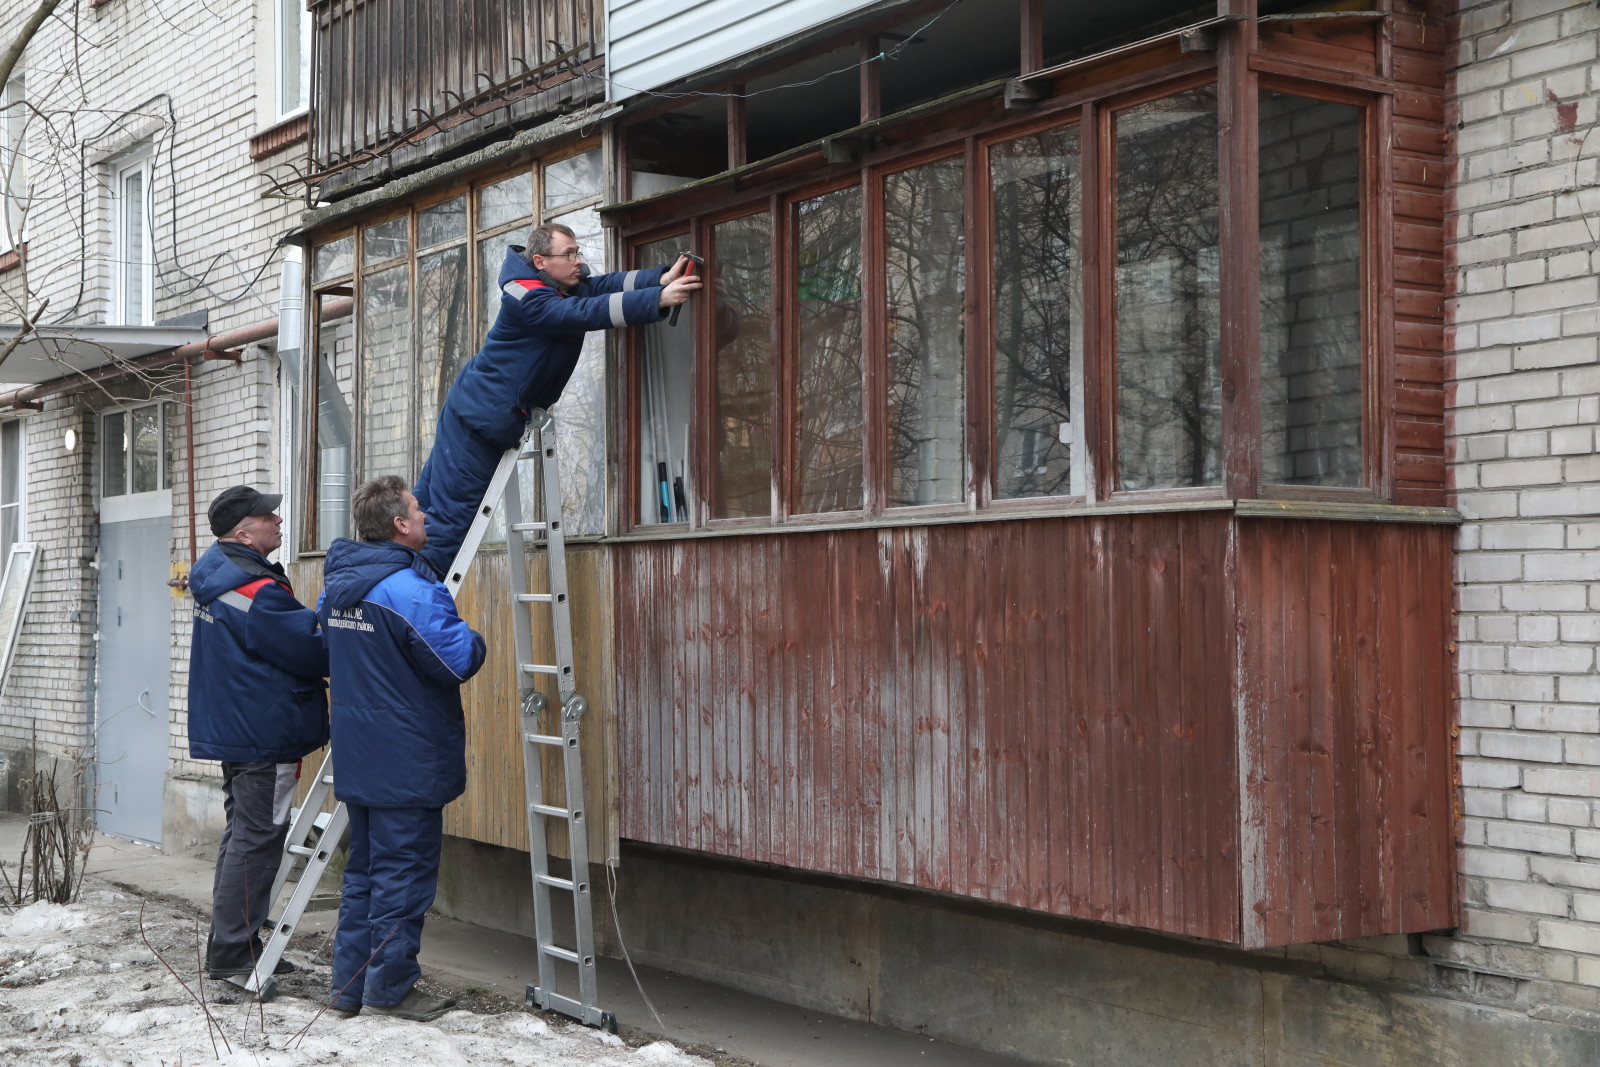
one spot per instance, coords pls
(13, 164)
(122, 257)
(128, 504)
(281, 36)
(20, 473)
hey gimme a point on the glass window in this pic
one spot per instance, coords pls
(572, 180)
(444, 336)
(334, 259)
(581, 414)
(926, 288)
(1037, 311)
(827, 464)
(335, 428)
(506, 201)
(386, 374)
(442, 222)
(11, 473)
(13, 163)
(666, 381)
(491, 255)
(292, 30)
(1169, 381)
(145, 450)
(133, 272)
(740, 280)
(1310, 270)
(113, 454)
(385, 241)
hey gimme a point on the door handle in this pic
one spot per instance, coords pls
(148, 709)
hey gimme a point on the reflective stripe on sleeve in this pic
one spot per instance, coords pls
(235, 599)
(618, 317)
(630, 281)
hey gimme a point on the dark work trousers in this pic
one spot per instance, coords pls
(255, 803)
(451, 486)
(389, 884)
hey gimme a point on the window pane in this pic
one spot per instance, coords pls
(291, 56)
(146, 449)
(114, 454)
(491, 254)
(666, 378)
(385, 241)
(132, 239)
(1038, 327)
(741, 278)
(1169, 389)
(335, 258)
(505, 201)
(827, 471)
(446, 341)
(386, 374)
(442, 222)
(1310, 291)
(581, 414)
(926, 276)
(335, 380)
(10, 488)
(571, 180)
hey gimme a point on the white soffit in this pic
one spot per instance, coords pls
(56, 351)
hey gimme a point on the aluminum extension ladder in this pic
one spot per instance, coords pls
(561, 733)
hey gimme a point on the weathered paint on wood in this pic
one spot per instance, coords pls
(1046, 713)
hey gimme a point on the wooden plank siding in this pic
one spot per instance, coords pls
(492, 809)
(1044, 713)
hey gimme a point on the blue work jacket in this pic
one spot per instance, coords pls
(534, 344)
(256, 663)
(398, 654)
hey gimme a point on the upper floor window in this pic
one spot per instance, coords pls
(922, 337)
(132, 253)
(292, 50)
(12, 477)
(13, 164)
(133, 451)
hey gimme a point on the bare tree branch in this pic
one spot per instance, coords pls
(13, 53)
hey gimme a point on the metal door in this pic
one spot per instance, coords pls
(134, 664)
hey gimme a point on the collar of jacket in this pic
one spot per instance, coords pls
(252, 562)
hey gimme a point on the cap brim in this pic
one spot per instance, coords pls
(267, 504)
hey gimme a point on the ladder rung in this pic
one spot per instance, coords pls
(544, 739)
(300, 850)
(529, 527)
(535, 598)
(327, 779)
(540, 668)
(550, 810)
(559, 883)
(560, 953)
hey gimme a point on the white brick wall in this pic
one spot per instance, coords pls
(216, 250)
(1527, 477)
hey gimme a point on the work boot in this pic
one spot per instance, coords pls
(417, 1006)
(236, 961)
(348, 1008)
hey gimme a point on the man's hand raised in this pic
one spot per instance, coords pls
(678, 291)
(683, 266)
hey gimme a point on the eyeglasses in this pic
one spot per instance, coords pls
(574, 254)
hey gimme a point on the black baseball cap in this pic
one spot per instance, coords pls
(237, 503)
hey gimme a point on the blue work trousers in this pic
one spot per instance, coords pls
(389, 884)
(451, 486)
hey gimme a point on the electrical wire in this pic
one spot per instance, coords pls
(616, 923)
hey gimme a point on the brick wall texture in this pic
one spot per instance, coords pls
(1524, 400)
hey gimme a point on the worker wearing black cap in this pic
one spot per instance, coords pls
(258, 703)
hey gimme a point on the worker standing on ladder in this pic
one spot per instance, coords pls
(549, 300)
(258, 703)
(398, 655)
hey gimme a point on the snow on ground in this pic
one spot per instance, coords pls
(80, 984)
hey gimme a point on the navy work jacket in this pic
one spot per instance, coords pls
(256, 663)
(534, 344)
(398, 654)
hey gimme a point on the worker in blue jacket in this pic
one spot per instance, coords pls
(258, 703)
(548, 301)
(398, 653)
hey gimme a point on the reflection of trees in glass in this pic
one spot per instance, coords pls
(1038, 335)
(386, 374)
(827, 470)
(581, 414)
(666, 377)
(443, 342)
(926, 282)
(741, 268)
(1168, 358)
(146, 449)
(1310, 274)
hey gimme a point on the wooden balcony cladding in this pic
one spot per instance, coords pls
(389, 72)
(1048, 713)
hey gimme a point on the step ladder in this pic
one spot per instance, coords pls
(544, 727)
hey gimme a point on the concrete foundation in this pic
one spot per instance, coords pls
(1009, 981)
(191, 816)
